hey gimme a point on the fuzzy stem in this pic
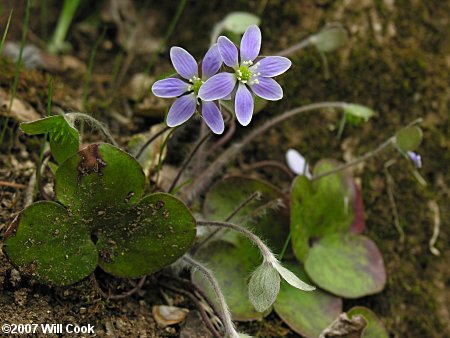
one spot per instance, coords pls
(202, 181)
(94, 123)
(263, 248)
(228, 323)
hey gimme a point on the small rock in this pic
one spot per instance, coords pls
(166, 315)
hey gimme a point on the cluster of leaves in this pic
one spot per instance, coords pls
(95, 221)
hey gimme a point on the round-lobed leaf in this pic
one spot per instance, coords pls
(330, 38)
(270, 221)
(346, 265)
(232, 266)
(374, 327)
(103, 220)
(306, 313)
(409, 139)
(98, 181)
(43, 243)
(155, 233)
(319, 208)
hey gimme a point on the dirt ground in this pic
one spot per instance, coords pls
(397, 61)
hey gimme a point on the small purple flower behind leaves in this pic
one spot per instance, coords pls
(297, 163)
(186, 89)
(415, 158)
(250, 76)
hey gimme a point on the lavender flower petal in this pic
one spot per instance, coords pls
(183, 62)
(217, 87)
(213, 117)
(211, 62)
(182, 109)
(244, 105)
(267, 89)
(272, 66)
(171, 87)
(415, 158)
(228, 51)
(250, 43)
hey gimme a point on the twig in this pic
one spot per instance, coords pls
(270, 163)
(199, 306)
(210, 309)
(12, 185)
(436, 228)
(390, 191)
(136, 288)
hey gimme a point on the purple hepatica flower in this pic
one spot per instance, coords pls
(247, 75)
(186, 89)
(415, 158)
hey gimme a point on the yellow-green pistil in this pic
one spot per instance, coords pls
(245, 75)
(196, 84)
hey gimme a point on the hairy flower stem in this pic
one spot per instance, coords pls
(188, 160)
(226, 315)
(80, 117)
(263, 248)
(202, 181)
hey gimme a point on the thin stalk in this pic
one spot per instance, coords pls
(291, 50)
(285, 246)
(243, 204)
(87, 81)
(65, 18)
(44, 142)
(18, 68)
(202, 181)
(363, 158)
(225, 312)
(391, 196)
(270, 163)
(341, 127)
(150, 140)
(5, 33)
(172, 25)
(188, 160)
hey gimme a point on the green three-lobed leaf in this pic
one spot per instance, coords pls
(102, 220)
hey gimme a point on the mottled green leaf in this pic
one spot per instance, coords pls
(103, 220)
(319, 208)
(346, 265)
(374, 327)
(232, 266)
(44, 244)
(306, 313)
